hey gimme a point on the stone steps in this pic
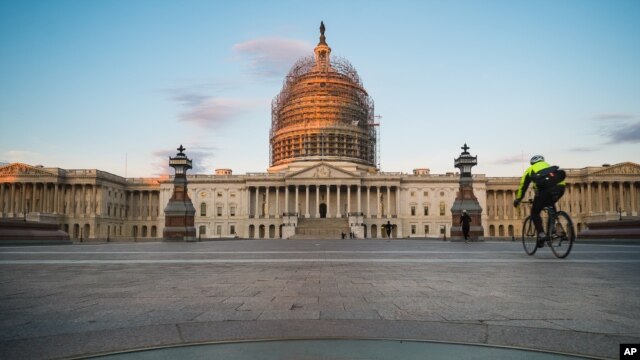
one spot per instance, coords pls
(324, 228)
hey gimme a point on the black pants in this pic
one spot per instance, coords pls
(465, 231)
(544, 198)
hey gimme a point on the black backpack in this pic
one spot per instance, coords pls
(549, 177)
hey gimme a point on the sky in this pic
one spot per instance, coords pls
(118, 85)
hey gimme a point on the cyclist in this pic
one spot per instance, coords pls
(543, 197)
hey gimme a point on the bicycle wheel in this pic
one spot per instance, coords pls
(529, 236)
(562, 236)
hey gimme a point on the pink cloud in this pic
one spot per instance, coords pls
(215, 112)
(272, 57)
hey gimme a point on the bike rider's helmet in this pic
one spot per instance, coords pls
(536, 158)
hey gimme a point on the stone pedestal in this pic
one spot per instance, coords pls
(179, 215)
(466, 200)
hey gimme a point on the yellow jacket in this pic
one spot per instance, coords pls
(528, 174)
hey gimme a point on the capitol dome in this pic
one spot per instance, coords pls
(322, 113)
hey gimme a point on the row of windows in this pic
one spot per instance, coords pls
(414, 229)
(202, 230)
(203, 210)
(426, 193)
(426, 209)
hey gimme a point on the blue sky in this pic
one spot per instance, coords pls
(88, 84)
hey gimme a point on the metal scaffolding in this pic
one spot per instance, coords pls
(322, 113)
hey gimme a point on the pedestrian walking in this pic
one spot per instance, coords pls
(465, 220)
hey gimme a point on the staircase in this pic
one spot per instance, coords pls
(330, 228)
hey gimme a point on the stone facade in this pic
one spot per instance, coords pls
(93, 204)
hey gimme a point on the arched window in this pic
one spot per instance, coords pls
(441, 208)
(203, 209)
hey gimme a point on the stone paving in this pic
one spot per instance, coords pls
(77, 300)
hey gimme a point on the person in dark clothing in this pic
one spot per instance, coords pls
(465, 220)
(388, 227)
(542, 198)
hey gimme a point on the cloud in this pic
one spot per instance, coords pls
(514, 159)
(627, 133)
(272, 57)
(212, 112)
(614, 116)
(584, 149)
(201, 157)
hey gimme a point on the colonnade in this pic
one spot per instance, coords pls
(323, 200)
(76, 199)
(584, 201)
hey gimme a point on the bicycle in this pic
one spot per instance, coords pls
(559, 229)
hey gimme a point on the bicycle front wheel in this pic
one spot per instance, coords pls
(562, 235)
(529, 236)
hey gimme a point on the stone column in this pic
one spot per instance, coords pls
(317, 201)
(378, 215)
(306, 213)
(338, 198)
(140, 210)
(388, 202)
(150, 195)
(297, 201)
(632, 190)
(610, 202)
(621, 202)
(277, 202)
(398, 205)
(257, 203)
(12, 200)
(32, 206)
(348, 198)
(588, 199)
(1, 199)
(328, 202)
(93, 200)
(495, 204)
(359, 199)
(600, 197)
(368, 201)
(268, 212)
(286, 199)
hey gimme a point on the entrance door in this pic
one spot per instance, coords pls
(323, 210)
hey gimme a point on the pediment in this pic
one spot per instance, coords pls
(322, 171)
(18, 169)
(625, 168)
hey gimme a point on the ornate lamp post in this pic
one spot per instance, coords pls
(465, 199)
(179, 213)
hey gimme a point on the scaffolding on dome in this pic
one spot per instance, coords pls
(323, 113)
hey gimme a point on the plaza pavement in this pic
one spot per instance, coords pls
(78, 300)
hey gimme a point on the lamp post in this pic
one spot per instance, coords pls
(619, 210)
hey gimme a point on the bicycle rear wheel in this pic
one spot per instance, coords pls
(562, 235)
(529, 236)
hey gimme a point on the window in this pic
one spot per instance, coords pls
(426, 211)
(426, 229)
(413, 193)
(232, 210)
(203, 209)
(219, 194)
(203, 230)
(233, 194)
(232, 229)
(442, 193)
(218, 229)
(443, 229)
(441, 208)
(219, 211)
(413, 229)
(426, 193)
(413, 210)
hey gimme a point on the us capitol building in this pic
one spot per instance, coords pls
(322, 181)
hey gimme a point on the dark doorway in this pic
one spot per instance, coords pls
(323, 210)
